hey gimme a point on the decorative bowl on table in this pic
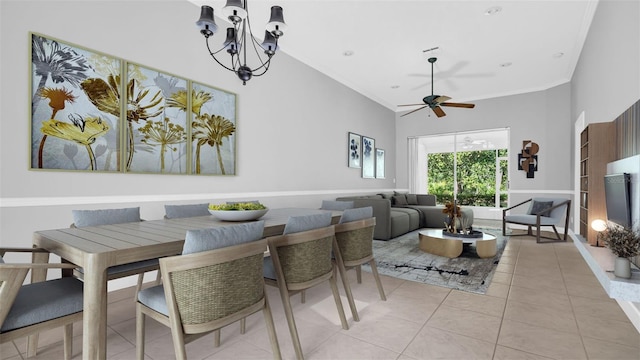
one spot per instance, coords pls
(238, 211)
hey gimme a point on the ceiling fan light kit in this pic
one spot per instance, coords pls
(434, 102)
(237, 36)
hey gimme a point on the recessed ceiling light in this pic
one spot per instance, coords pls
(348, 53)
(395, 86)
(506, 64)
(558, 55)
(493, 10)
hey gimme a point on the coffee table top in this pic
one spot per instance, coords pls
(438, 233)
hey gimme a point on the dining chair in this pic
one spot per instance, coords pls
(541, 212)
(354, 247)
(185, 211)
(301, 259)
(26, 310)
(84, 218)
(217, 281)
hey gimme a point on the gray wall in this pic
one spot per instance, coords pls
(606, 81)
(542, 117)
(291, 130)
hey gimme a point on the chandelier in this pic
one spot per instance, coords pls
(240, 38)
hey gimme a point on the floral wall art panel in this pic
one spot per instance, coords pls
(156, 122)
(213, 130)
(368, 158)
(75, 107)
(379, 164)
(354, 150)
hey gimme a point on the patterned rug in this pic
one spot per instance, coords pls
(401, 258)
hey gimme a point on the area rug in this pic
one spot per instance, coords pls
(402, 258)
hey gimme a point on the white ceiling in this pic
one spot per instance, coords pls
(541, 40)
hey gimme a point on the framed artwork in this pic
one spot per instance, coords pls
(368, 158)
(379, 163)
(354, 151)
(95, 112)
(156, 123)
(75, 107)
(213, 130)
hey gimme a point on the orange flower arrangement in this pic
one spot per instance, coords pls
(453, 211)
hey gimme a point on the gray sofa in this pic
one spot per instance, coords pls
(398, 213)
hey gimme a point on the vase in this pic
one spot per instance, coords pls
(622, 268)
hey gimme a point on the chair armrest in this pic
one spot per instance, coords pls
(4, 250)
(504, 211)
(37, 266)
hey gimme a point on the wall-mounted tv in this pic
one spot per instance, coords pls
(618, 198)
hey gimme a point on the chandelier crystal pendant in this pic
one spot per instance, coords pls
(236, 43)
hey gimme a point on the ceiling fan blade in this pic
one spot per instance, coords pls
(442, 98)
(467, 106)
(422, 104)
(438, 111)
(410, 112)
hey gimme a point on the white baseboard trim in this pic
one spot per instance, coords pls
(83, 200)
(632, 311)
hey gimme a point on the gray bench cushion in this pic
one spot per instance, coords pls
(44, 301)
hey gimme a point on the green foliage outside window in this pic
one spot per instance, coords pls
(476, 177)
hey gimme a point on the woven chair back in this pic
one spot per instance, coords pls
(355, 239)
(304, 256)
(210, 285)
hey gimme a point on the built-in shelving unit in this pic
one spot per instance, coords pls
(595, 152)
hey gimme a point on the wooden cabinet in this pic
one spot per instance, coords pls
(596, 150)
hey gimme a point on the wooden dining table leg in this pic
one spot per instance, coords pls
(94, 320)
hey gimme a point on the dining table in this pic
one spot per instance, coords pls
(96, 248)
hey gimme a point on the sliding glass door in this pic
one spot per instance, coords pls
(471, 167)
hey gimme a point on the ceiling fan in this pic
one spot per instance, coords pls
(436, 101)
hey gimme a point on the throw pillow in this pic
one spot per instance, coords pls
(412, 199)
(400, 200)
(539, 206)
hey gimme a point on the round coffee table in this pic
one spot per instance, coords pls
(434, 241)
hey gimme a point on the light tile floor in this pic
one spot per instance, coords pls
(543, 303)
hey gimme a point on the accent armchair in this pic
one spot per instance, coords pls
(541, 212)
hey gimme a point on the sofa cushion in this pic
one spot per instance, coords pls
(400, 223)
(387, 195)
(336, 205)
(399, 200)
(414, 217)
(412, 199)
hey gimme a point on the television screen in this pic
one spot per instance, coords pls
(618, 199)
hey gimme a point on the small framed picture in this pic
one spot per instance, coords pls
(368, 158)
(354, 151)
(379, 163)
